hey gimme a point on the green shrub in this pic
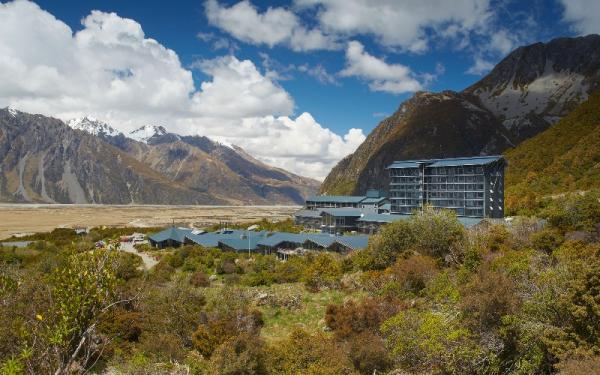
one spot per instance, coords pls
(199, 279)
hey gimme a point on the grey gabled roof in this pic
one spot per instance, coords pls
(339, 212)
(212, 239)
(383, 218)
(337, 198)
(313, 214)
(239, 244)
(469, 222)
(323, 240)
(171, 233)
(353, 242)
(239, 241)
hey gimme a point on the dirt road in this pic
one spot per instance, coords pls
(29, 218)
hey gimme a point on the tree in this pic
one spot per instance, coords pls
(302, 353)
(432, 342)
(435, 233)
(239, 355)
(229, 317)
(386, 246)
(65, 335)
(368, 353)
(438, 234)
(323, 271)
(199, 279)
(352, 318)
(412, 274)
(487, 298)
(173, 309)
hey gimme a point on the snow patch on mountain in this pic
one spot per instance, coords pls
(12, 111)
(549, 95)
(146, 132)
(93, 126)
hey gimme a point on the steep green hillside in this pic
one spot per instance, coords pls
(564, 158)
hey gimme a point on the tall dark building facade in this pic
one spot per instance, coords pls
(472, 187)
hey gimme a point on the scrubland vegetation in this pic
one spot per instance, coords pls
(426, 296)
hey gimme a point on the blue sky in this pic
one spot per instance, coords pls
(340, 106)
(345, 64)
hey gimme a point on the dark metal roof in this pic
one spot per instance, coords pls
(405, 164)
(476, 160)
(471, 160)
(373, 200)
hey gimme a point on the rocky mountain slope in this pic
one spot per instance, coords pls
(44, 160)
(528, 91)
(204, 165)
(563, 158)
(537, 85)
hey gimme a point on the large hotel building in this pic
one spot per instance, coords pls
(472, 187)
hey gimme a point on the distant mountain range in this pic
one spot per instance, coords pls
(526, 93)
(45, 160)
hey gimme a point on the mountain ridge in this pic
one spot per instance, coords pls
(92, 165)
(528, 91)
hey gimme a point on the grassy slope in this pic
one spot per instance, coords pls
(309, 315)
(281, 319)
(564, 158)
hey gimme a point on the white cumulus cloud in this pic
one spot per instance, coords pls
(400, 23)
(392, 78)
(111, 70)
(273, 27)
(298, 143)
(583, 15)
(480, 66)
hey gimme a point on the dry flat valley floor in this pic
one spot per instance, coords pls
(30, 218)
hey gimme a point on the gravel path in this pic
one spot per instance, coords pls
(149, 262)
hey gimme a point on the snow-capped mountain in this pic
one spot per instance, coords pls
(100, 128)
(93, 126)
(144, 133)
(43, 160)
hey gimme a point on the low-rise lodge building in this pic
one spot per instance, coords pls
(281, 243)
(372, 200)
